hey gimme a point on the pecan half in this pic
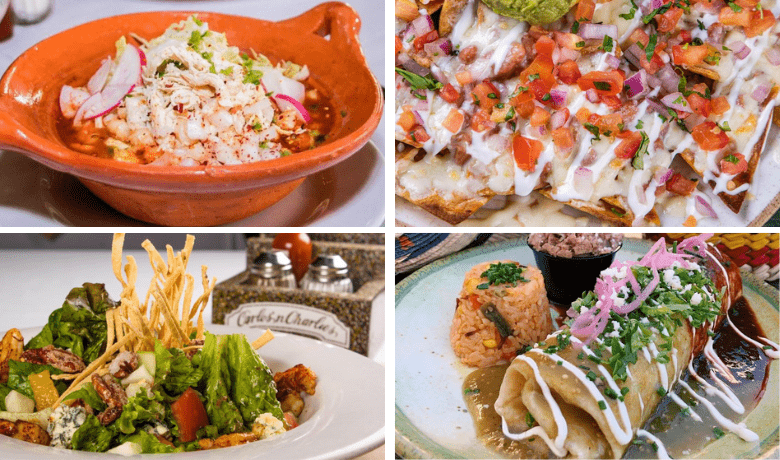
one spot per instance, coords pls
(124, 364)
(109, 415)
(61, 359)
(110, 390)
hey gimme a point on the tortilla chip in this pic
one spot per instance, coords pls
(734, 202)
(613, 209)
(450, 13)
(454, 211)
(705, 72)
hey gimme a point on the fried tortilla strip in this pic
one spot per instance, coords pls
(705, 71)
(612, 209)
(450, 13)
(734, 202)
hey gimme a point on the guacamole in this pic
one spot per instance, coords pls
(538, 12)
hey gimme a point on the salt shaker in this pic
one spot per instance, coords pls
(328, 273)
(31, 11)
(273, 269)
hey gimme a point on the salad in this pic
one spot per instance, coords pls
(137, 376)
(188, 98)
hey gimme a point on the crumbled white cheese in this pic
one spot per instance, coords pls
(617, 301)
(266, 425)
(696, 299)
(617, 273)
(671, 279)
(63, 423)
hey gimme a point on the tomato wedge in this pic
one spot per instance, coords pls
(585, 9)
(760, 21)
(709, 136)
(526, 152)
(680, 185)
(569, 72)
(689, 55)
(454, 120)
(449, 93)
(729, 17)
(605, 83)
(419, 42)
(668, 21)
(699, 104)
(190, 415)
(486, 95)
(733, 163)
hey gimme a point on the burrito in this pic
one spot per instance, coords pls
(588, 388)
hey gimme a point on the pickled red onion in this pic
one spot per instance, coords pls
(285, 102)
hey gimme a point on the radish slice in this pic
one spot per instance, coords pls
(98, 81)
(276, 83)
(285, 102)
(71, 99)
(126, 74)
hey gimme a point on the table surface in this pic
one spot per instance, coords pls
(36, 282)
(30, 205)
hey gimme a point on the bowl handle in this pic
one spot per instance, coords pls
(336, 21)
(13, 136)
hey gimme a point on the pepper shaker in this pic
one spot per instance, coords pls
(272, 269)
(31, 11)
(328, 273)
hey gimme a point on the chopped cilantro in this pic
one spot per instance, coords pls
(638, 161)
(580, 44)
(504, 273)
(164, 65)
(227, 71)
(593, 130)
(701, 25)
(602, 404)
(471, 391)
(419, 82)
(529, 419)
(607, 44)
(731, 158)
(546, 97)
(735, 7)
(724, 126)
(196, 20)
(286, 153)
(639, 124)
(533, 77)
(602, 85)
(718, 432)
(661, 391)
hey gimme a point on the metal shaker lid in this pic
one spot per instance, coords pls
(272, 264)
(329, 267)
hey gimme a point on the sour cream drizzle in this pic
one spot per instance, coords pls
(661, 449)
(740, 429)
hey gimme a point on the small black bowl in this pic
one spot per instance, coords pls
(566, 279)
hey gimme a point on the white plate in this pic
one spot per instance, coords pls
(350, 194)
(343, 419)
(431, 419)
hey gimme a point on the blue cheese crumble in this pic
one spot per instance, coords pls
(63, 423)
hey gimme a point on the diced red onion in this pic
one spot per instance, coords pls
(583, 181)
(590, 31)
(663, 175)
(676, 101)
(655, 4)
(761, 92)
(739, 48)
(558, 119)
(637, 84)
(541, 130)
(592, 95)
(421, 104)
(773, 55)
(422, 25)
(669, 78)
(412, 66)
(569, 54)
(632, 55)
(704, 208)
(418, 118)
(612, 61)
(715, 33)
(656, 107)
(558, 97)
(653, 81)
(284, 101)
(440, 47)
(693, 120)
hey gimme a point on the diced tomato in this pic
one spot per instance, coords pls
(729, 17)
(486, 95)
(709, 136)
(454, 121)
(463, 77)
(638, 36)
(585, 9)
(419, 42)
(583, 115)
(525, 109)
(668, 21)
(190, 415)
(613, 102)
(685, 36)
(689, 55)
(733, 164)
(449, 93)
(609, 123)
(474, 299)
(526, 152)
(406, 121)
(627, 148)
(653, 65)
(481, 121)
(562, 138)
(540, 117)
(699, 104)
(541, 91)
(540, 70)
(399, 46)
(760, 21)
(569, 72)
(605, 83)
(680, 185)
(567, 40)
(749, 4)
(419, 135)
(545, 46)
(720, 105)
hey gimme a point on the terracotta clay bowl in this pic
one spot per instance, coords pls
(325, 38)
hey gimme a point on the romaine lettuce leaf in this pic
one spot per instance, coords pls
(252, 387)
(151, 445)
(215, 386)
(89, 395)
(140, 409)
(80, 324)
(174, 371)
(92, 436)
